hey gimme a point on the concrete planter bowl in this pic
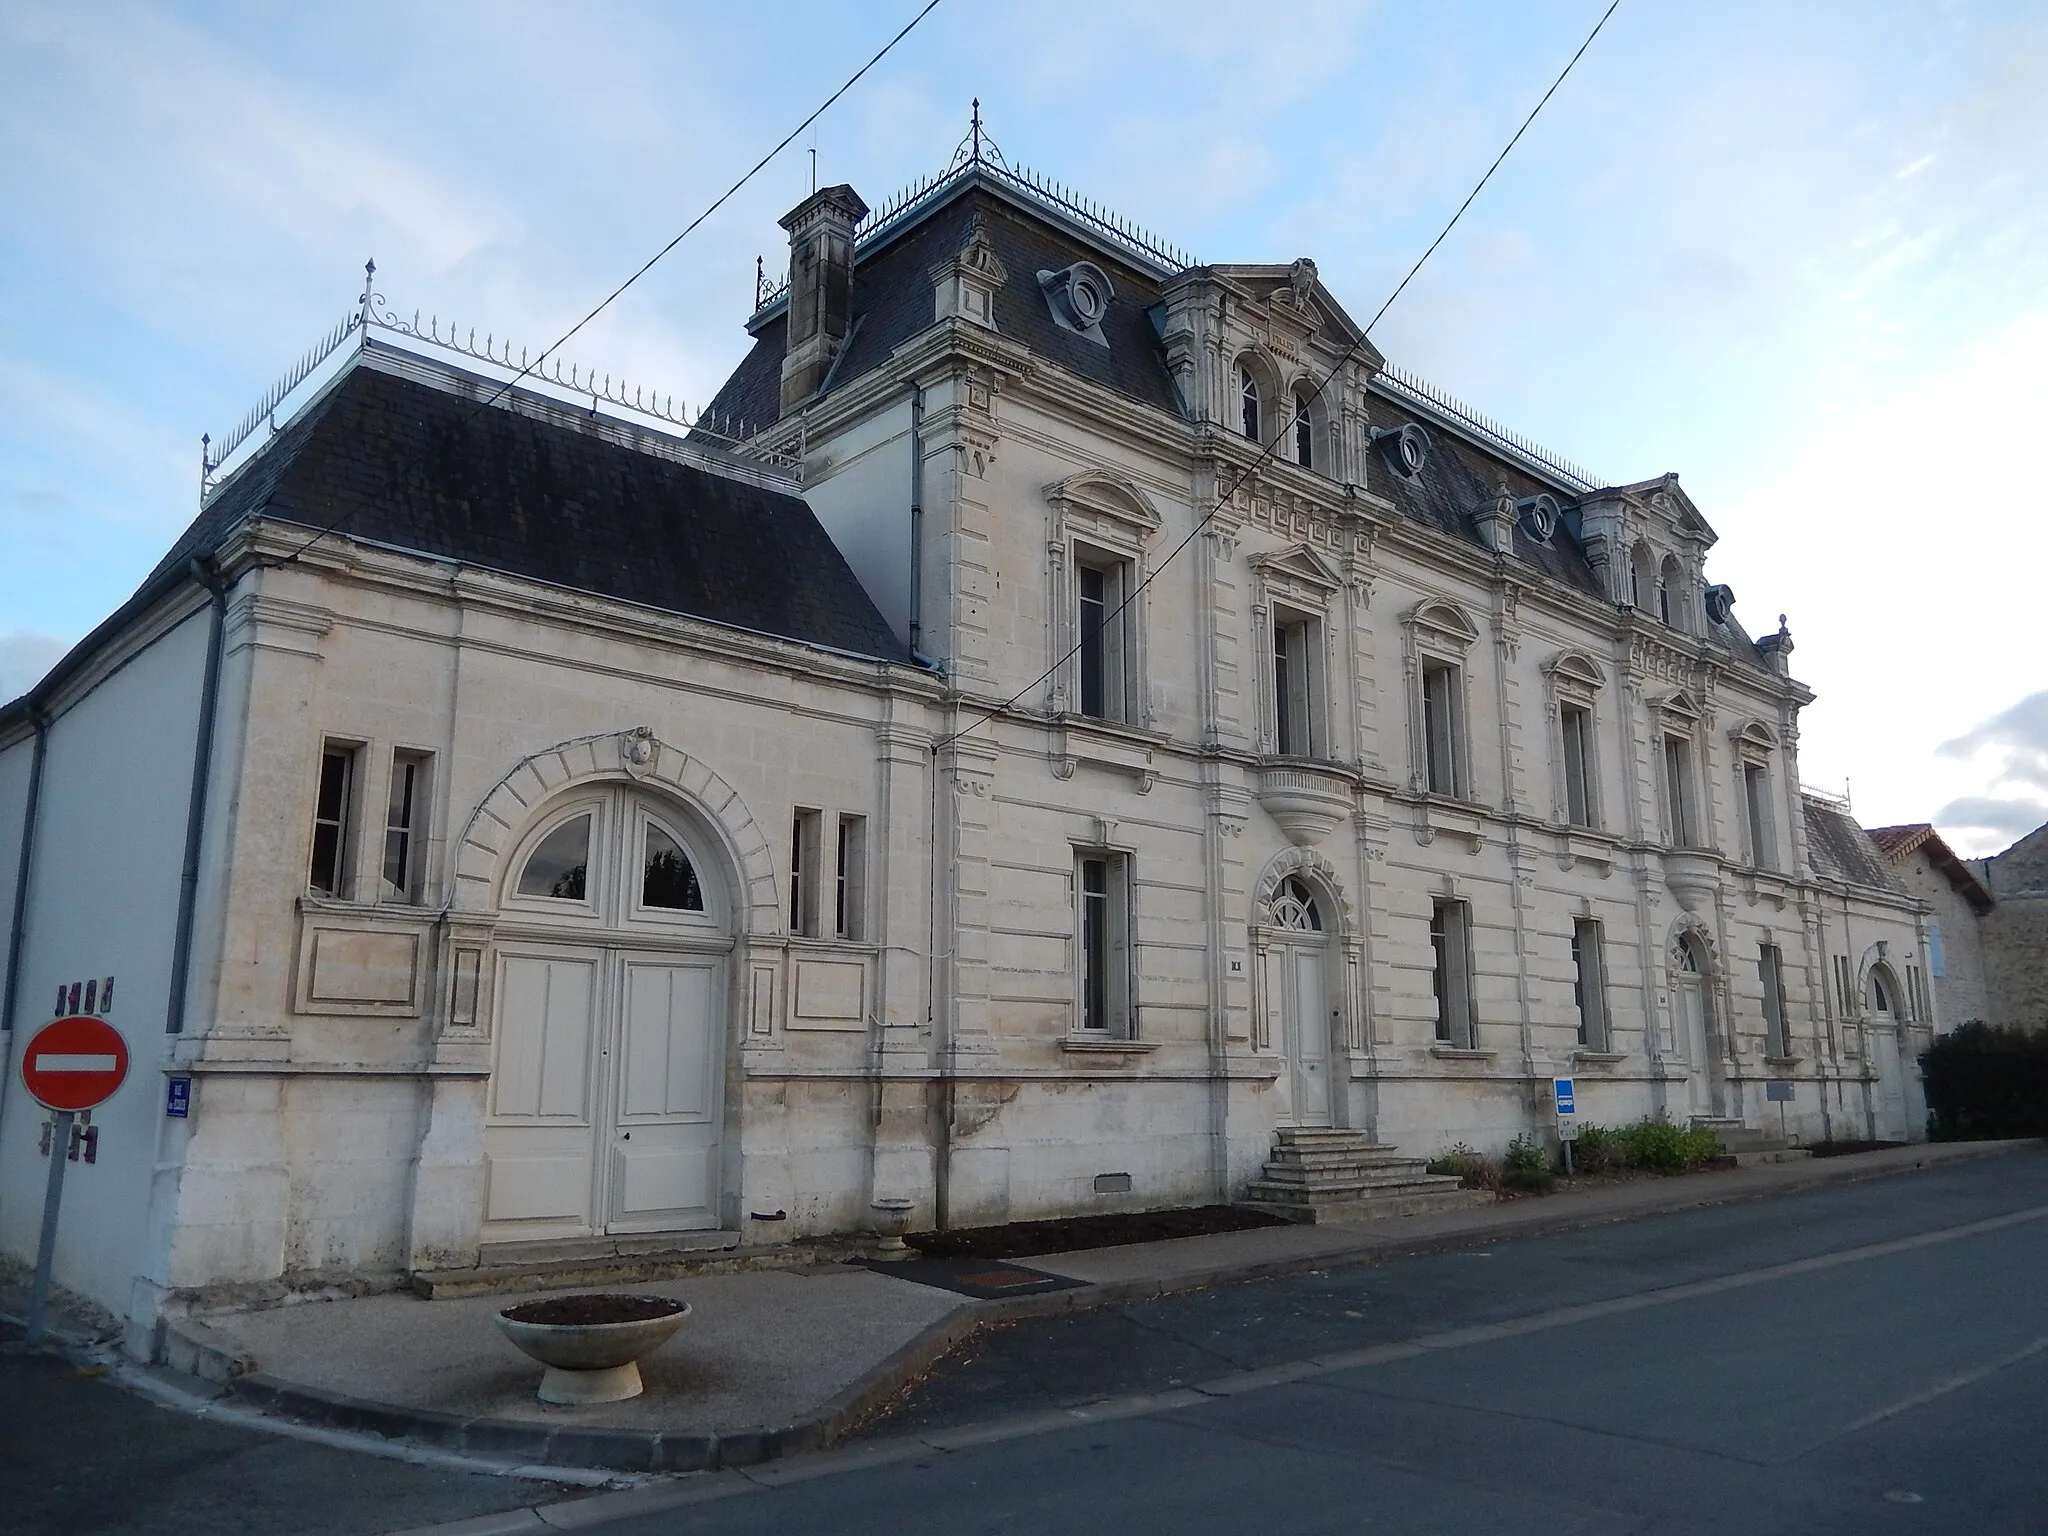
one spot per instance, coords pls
(592, 1345)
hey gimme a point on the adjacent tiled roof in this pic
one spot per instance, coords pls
(1895, 843)
(1841, 850)
(397, 461)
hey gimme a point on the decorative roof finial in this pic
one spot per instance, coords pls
(760, 280)
(369, 276)
(974, 127)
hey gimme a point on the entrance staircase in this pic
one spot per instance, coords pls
(1320, 1174)
(1748, 1145)
(598, 1261)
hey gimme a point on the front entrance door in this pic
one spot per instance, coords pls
(1689, 996)
(1886, 1056)
(607, 1087)
(1297, 974)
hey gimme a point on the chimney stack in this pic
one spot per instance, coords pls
(820, 287)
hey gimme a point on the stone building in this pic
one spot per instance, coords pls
(1065, 716)
(2015, 932)
(1958, 904)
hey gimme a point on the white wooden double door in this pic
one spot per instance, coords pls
(606, 1102)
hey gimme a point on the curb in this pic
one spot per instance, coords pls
(659, 1452)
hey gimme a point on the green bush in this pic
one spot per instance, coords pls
(1985, 1083)
(1655, 1145)
(1598, 1150)
(1475, 1169)
(1523, 1165)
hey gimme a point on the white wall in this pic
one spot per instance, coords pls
(103, 900)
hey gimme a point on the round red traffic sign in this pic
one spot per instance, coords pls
(74, 1063)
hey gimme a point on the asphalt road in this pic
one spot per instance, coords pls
(79, 1456)
(1867, 1359)
(1862, 1358)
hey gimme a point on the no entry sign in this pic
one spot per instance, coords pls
(74, 1063)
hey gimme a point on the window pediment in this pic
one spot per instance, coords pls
(1754, 741)
(1110, 501)
(1442, 624)
(1575, 673)
(1680, 708)
(1298, 573)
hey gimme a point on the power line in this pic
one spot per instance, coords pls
(1322, 384)
(649, 264)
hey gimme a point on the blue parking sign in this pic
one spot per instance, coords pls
(1562, 1087)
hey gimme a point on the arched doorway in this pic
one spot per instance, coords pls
(1691, 1005)
(607, 1095)
(1882, 995)
(1298, 993)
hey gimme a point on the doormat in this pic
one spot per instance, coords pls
(981, 1279)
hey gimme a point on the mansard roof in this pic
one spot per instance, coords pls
(397, 451)
(1842, 850)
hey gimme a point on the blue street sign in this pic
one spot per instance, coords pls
(1778, 1093)
(178, 1097)
(1562, 1087)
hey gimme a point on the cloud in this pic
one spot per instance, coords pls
(2006, 820)
(25, 658)
(2017, 737)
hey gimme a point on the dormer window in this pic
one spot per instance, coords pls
(1304, 434)
(1248, 394)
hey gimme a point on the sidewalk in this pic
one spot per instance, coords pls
(775, 1362)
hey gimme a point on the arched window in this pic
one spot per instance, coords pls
(667, 878)
(1881, 993)
(1642, 577)
(1671, 592)
(1304, 434)
(1248, 393)
(559, 868)
(1294, 906)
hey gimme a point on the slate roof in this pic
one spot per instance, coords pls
(892, 301)
(401, 462)
(1842, 850)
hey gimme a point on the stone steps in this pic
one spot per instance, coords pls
(1748, 1145)
(1322, 1174)
(605, 1262)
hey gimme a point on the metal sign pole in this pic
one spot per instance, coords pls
(46, 1249)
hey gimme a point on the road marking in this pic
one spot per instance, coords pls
(1941, 1389)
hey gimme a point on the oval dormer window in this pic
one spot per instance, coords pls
(1079, 297)
(1405, 448)
(1538, 516)
(559, 868)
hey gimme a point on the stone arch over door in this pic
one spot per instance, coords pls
(1306, 953)
(1694, 965)
(612, 1040)
(634, 756)
(1887, 1010)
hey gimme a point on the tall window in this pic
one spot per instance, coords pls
(806, 872)
(404, 821)
(1576, 724)
(1589, 984)
(1443, 729)
(1770, 967)
(1304, 434)
(1248, 398)
(1450, 944)
(1845, 990)
(1671, 593)
(1756, 799)
(1102, 882)
(1297, 723)
(1103, 624)
(849, 881)
(1678, 802)
(333, 812)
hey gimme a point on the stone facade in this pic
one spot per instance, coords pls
(2015, 932)
(1211, 790)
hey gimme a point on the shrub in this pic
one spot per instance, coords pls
(1524, 1166)
(1598, 1150)
(1655, 1145)
(1474, 1169)
(1985, 1082)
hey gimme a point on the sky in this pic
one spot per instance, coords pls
(1796, 253)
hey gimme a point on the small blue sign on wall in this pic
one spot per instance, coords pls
(1565, 1090)
(1778, 1093)
(178, 1097)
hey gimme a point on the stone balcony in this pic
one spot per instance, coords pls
(1306, 799)
(1694, 875)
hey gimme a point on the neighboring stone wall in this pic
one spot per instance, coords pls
(2015, 938)
(1959, 991)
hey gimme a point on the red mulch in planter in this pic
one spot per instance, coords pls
(586, 1311)
(1066, 1234)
